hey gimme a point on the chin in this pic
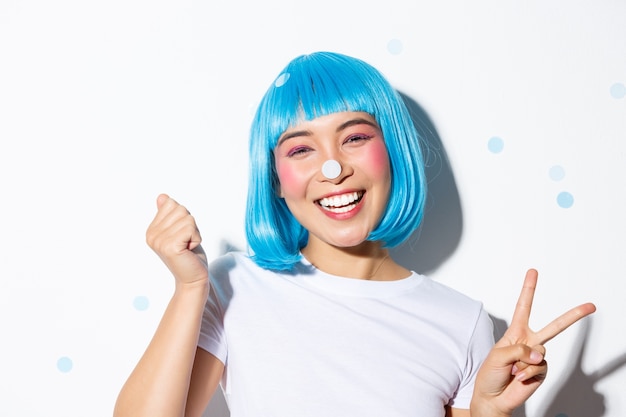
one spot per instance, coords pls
(349, 242)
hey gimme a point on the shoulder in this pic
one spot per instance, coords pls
(236, 268)
(453, 306)
(232, 262)
(226, 270)
(444, 293)
(461, 317)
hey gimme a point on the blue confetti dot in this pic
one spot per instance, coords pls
(557, 173)
(65, 364)
(618, 90)
(394, 46)
(565, 199)
(282, 79)
(495, 144)
(141, 303)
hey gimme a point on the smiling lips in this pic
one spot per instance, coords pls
(341, 203)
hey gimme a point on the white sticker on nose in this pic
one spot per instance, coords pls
(331, 169)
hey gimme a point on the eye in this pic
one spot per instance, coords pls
(297, 151)
(357, 138)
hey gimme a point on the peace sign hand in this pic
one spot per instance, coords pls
(515, 367)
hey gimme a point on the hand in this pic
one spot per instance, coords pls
(174, 236)
(515, 367)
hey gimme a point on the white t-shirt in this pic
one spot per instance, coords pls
(306, 343)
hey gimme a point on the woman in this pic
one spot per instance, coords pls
(317, 319)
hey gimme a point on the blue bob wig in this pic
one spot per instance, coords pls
(316, 85)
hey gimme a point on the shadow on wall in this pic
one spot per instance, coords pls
(440, 231)
(577, 394)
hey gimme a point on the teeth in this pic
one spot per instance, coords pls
(342, 202)
(344, 209)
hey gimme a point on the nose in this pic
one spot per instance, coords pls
(335, 169)
(331, 169)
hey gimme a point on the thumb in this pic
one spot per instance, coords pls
(161, 199)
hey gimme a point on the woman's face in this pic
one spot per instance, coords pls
(339, 211)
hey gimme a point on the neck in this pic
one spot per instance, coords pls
(368, 261)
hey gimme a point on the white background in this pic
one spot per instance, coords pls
(105, 104)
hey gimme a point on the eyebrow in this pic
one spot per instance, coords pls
(343, 126)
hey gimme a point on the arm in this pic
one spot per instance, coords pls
(515, 367)
(457, 412)
(160, 383)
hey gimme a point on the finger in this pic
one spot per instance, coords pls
(561, 323)
(169, 211)
(172, 221)
(195, 240)
(182, 229)
(521, 365)
(535, 373)
(521, 315)
(177, 238)
(507, 356)
(161, 199)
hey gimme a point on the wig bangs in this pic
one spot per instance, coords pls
(313, 86)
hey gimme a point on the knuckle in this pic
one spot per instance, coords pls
(150, 237)
(181, 210)
(521, 350)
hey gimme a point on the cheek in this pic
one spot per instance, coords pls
(288, 178)
(378, 159)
